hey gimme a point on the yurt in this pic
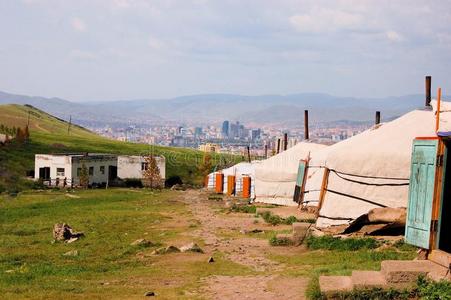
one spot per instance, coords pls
(275, 177)
(372, 169)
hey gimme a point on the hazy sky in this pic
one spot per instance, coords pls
(123, 49)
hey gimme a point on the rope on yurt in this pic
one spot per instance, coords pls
(336, 218)
(367, 183)
(361, 176)
(356, 198)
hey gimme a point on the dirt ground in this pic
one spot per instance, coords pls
(227, 233)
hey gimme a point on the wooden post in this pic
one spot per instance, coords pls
(278, 146)
(306, 132)
(285, 141)
(323, 189)
(437, 118)
(378, 118)
(428, 91)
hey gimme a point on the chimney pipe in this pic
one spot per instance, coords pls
(306, 131)
(378, 118)
(278, 146)
(285, 141)
(266, 150)
(428, 91)
(248, 154)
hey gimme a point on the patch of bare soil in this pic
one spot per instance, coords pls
(245, 250)
(255, 287)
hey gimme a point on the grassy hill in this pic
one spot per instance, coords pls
(49, 135)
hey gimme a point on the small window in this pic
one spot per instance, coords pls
(144, 166)
(91, 171)
(78, 172)
(59, 171)
(102, 170)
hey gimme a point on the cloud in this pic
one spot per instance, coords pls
(325, 20)
(82, 55)
(394, 36)
(78, 24)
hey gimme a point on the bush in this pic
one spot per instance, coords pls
(348, 244)
(431, 290)
(276, 220)
(248, 209)
(133, 183)
(274, 241)
(173, 180)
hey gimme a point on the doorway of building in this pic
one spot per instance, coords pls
(445, 212)
(44, 173)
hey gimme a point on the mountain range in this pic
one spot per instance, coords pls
(214, 108)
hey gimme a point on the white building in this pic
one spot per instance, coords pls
(132, 166)
(64, 169)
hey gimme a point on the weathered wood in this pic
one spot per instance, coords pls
(428, 91)
(285, 141)
(378, 118)
(323, 189)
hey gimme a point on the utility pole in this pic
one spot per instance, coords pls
(70, 124)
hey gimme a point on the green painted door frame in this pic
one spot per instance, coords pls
(421, 192)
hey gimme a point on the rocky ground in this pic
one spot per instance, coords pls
(228, 233)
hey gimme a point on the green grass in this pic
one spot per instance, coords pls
(274, 220)
(248, 209)
(49, 135)
(346, 244)
(107, 265)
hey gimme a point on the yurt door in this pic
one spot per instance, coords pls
(421, 192)
(300, 182)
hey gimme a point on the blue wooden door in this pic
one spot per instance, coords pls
(298, 189)
(421, 192)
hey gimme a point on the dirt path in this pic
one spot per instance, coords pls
(221, 232)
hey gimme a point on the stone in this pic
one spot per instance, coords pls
(330, 285)
(63, 232)
(191, 247)
(142, 242)
(368, 279)
(406, 271)
(211, 259)
(149, 294)
(71, 240)
(71, 253)
(166, 250)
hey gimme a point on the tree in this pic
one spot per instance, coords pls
(205, 167)
(151, 172)
(84, 176)
(26, 134)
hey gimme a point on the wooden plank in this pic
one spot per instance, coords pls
(323, 189)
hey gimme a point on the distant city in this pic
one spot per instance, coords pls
(231, 136)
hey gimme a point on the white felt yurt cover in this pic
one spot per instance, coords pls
(275, 177)
(372, 169)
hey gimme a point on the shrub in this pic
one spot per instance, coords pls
(430, 290)
(274, 241)
(173, 180)
(276, 220)
(248, 209)
(133, 183)
(348, 244)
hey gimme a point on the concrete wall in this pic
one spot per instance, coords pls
(129, 166)
(95, 162)
(71, 164)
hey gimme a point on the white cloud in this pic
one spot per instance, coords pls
(325, 20)
(155, 43)
(394, 36)
(78, 24)
(82, 55)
